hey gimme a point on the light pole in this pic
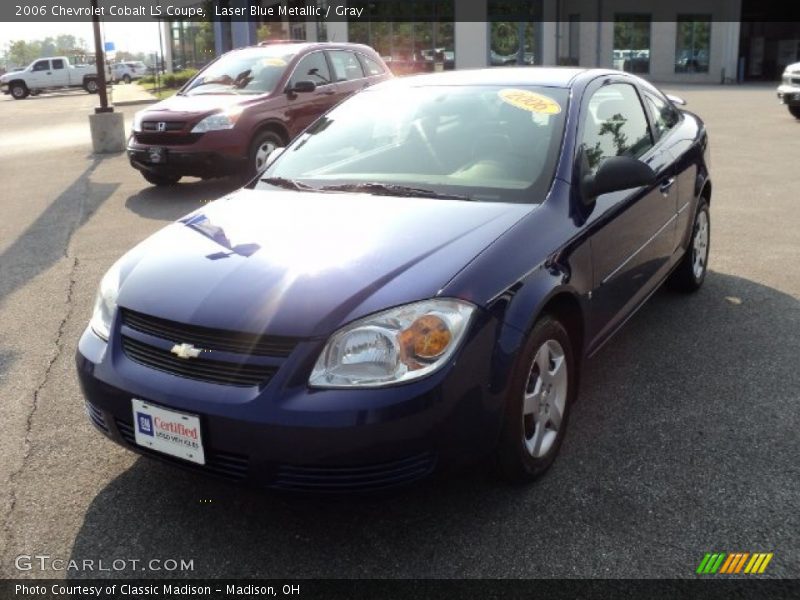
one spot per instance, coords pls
(100, 62)
(106, 126)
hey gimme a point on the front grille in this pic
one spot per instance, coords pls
(96, 417)
(223, 464)
(212, 371)
(208, 338)
(168, 125)
(349, 479)
(166, 139)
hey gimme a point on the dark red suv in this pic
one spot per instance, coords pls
(237, 110)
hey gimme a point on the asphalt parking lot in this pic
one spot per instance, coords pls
(685, 441)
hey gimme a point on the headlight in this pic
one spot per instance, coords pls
(105, 305)
(394, 346)
(137, 121)
(218, 121)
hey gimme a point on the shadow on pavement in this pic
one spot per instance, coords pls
(685, 439)
(172, 202)
(46, 240)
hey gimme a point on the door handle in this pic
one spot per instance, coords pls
(328, 92)
(666, 184)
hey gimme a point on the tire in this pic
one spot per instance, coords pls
(535, 424)
(90, 85)
(19, 91)
(691, 271)
(126, 78)
(161, 180)
(264, 143)
(795, 110)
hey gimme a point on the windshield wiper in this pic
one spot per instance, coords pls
(390, 189)
(289, 184)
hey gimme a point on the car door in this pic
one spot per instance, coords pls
(59, 74)
(347, 73)
(632, 231)
(304, 108)
(40, 76)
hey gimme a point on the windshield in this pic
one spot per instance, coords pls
(252, 71)
(485, 143)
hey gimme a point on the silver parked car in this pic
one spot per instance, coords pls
(789, 90)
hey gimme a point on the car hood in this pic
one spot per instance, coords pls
(793, 67)
(198, 104)
(302, 264)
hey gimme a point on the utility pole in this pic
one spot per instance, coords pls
(100, 62)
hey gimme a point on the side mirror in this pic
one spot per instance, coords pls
(303, 87)
(615, 174)
(676, 100)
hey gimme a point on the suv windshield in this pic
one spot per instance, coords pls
(485, 143)
(252, 71)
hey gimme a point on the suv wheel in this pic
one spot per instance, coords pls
(19, 91)
(263, 145)
(126, 78)
(795, 110)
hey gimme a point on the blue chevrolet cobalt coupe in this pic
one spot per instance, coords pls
(411, 285)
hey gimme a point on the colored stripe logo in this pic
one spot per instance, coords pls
(734, 563)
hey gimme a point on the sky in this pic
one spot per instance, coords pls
(130, 37)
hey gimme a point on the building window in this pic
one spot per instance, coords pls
(693, 44)
(632, 43)
(410, 36)
(574, 33)
(514, 32)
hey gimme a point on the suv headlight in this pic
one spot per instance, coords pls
(393, 346)
(218, 121)
(137, 121)
(105, 305)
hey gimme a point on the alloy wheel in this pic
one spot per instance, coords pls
(545, 399)
(700, 245)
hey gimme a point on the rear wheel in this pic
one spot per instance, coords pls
(537, 409)
(161, 180)
(19, 91)
(90, 85)
(795, 110)
(126, 78)
(691, 271)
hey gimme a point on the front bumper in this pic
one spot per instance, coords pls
(789, 95)
(287, 436)
(181, 161)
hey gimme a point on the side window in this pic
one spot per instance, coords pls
(312, 67)
(42, 65)
(615, 125)
(371, 67)
(663, 115)
(58, 63)
(345, 65)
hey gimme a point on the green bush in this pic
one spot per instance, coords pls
(178, 78)
(147, 80)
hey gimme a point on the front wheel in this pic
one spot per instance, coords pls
(795, 110)
(19, 91)
(542, 391)
(161, 180)
(264, 144)
(691, 271)
(90, 85)
(126, 78)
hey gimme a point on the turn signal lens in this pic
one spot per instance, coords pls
(427, 338)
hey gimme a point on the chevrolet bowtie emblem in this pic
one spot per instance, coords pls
(185, 351)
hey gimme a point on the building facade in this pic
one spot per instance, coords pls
(701, 41)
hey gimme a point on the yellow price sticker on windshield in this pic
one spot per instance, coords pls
(530, 101)
(273, 62)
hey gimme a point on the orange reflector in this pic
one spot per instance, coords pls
(428, 337)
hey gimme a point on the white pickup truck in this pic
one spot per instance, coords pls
(49, 73)
(789, 90)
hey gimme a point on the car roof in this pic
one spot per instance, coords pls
(294, 47)
(562, 77)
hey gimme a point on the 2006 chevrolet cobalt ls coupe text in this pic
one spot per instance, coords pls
(411, 284)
